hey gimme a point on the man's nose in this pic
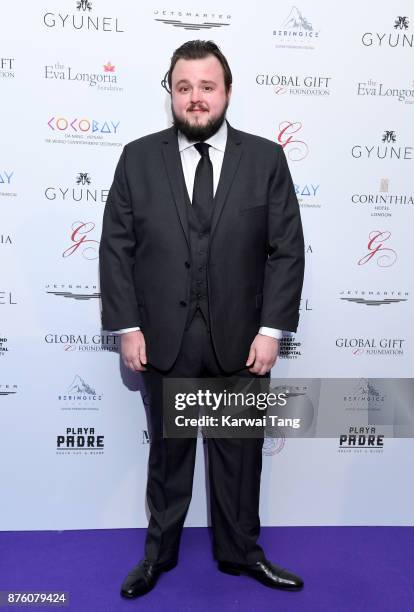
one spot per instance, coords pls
(195, 95)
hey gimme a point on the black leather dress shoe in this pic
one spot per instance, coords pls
(142, 578)
(265, 572)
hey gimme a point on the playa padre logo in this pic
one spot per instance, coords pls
(192, 20)
(296, 32)
(84, 191)
(105, 79)
(397, 36)
(84, 19)
(80, 440)
(359, 439)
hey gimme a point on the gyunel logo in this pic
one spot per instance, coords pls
(82, 20)
(398, 37)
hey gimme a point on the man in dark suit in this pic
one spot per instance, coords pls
(201, 264)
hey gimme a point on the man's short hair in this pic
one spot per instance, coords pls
(198, 49)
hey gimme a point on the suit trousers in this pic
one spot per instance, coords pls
(234, 467)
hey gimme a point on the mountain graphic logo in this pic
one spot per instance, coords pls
(296, 21)
(80, 386)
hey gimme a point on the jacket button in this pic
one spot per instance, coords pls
(187, 264)
(183, 303)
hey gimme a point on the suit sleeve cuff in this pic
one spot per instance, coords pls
(126, 330)
(272, 332)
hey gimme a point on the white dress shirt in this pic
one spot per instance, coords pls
(189, 159)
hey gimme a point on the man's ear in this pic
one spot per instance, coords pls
(229, 92)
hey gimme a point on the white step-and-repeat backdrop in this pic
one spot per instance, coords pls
(79, 79)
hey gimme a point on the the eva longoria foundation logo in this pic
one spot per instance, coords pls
(376, 89)
(192, 20)
(103, 79)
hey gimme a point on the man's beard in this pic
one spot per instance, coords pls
(199, 132)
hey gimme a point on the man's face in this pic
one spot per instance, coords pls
(198, 97)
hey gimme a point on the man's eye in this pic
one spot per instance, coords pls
(182, 89)
(208, 88)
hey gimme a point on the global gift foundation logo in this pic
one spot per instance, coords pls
(71, 342)
(392, 347)
(83, 20)
(295, 85)
(296, 32)
(397, 35)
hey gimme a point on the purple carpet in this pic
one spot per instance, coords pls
(344, 568)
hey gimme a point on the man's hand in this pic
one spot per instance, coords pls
(133, 351)
(263, 354)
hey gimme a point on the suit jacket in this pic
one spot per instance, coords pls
(256, 251)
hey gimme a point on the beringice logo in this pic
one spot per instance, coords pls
(384, 256)
(80, 396)
(193, 20)
(296, 31)
(87, 247)
(295, 148)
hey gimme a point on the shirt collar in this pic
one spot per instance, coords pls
(217, 141)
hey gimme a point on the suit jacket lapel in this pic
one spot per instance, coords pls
(232, 155)
(174, 168)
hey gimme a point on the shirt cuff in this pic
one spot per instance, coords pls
(126, 330)
(272, 332)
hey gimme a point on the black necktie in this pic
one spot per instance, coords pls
(203, 185)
